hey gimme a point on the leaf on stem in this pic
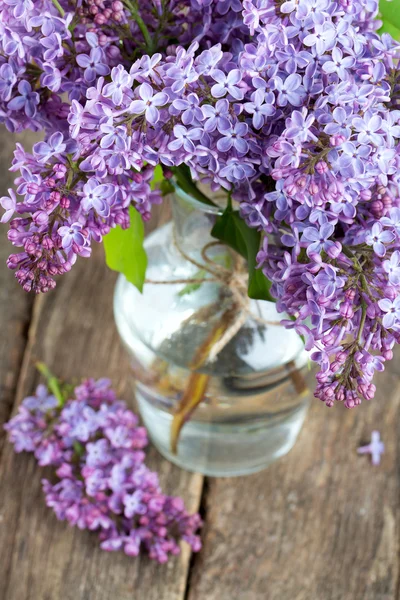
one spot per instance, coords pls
(232, 230)
(390, 15)
(125, 252)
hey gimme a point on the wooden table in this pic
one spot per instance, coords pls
(320, 524)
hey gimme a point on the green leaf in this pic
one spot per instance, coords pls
(235, 233)
(124, 250)
(390, 15)
(158, 177)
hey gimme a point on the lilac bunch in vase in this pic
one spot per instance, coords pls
(289, 109)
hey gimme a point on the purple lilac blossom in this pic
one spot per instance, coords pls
(251, 96)
(95, 446)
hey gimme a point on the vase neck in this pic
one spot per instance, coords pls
(193, 222)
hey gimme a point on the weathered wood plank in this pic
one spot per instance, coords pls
(321, 524)
(15, 305)
(40, 558)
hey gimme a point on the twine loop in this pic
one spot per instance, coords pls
(235, 280)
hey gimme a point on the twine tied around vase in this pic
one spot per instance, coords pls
(235, 280)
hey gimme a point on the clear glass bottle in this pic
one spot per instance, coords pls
(256, 393)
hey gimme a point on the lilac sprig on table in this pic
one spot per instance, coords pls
(294, 115)
(95, 446)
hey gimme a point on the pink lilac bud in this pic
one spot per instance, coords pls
(33, 188)
(366, 195)
(373, 311)
(340, 395)
(335, 366)
(65, 202)
(350, 294)
(337, 140)
(377, 208)
(302, 182)
(334, 250)
(40, 218)
(60, 170)
(390, 292)
(321, 167)
(47, 242)
(100, 19)
(387, 202)
(346, 310)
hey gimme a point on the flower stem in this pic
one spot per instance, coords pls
(52, 382)
(140, 23)
(59, 7)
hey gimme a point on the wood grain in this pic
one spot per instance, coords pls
(15, 305)
(40, 558)
(320, 524)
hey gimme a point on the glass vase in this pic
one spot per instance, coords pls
(199, 346)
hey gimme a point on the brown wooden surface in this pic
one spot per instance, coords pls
(320, 524)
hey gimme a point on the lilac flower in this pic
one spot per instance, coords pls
(261, 107)
(393, 220)
(339, 64)
(51, 77)
(97, 196)
(7, 81)
(184, 137)
(327, 281)
(189, 109)
(21, 7)
(234, 137)
(9, 203)
(93, 64)
(353, 159)
(392, 310)
(227, 84)
(377, 238)
(392, 268)
(384, 158)
(75, 117)
(368, 130)
(54, 146)
(121, 81)
(298, 126)
(216, 116)
(182, 75)
(71, 235)
(148, 103)
(322, 38)
(133, 504)
(289, 90)
(27, 100)
(318, 239)
(376, 448)
(53, 45)
(113, 135)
